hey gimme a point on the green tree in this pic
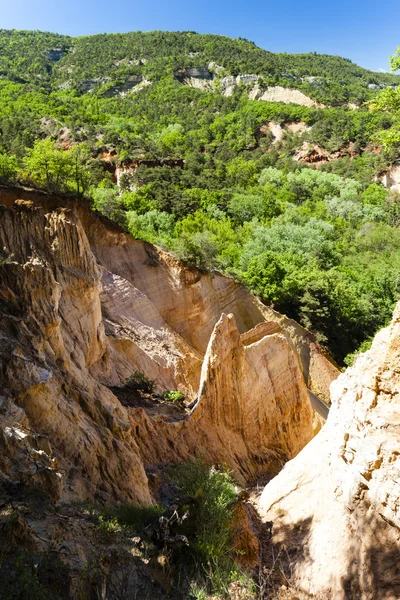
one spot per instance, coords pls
(264, 276)
(8, 168)
(58, 169)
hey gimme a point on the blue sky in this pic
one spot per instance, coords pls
(365, 31)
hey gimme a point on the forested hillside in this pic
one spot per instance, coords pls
(160, 131)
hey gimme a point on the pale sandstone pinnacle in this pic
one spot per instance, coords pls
(335, 507)
(252, 413)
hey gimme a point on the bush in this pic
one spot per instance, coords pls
(174, 396)
(107, 201)
(200, 250)
(204, 497)
(364, 347)
(8, 168)
(150, 226)
(139, 381)
(208, 526)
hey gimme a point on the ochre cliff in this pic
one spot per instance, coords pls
(83, 305)
(335, 507)
(52, 335)
(252, 412)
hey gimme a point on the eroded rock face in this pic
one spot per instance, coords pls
(52, 335)
(252, 412)
(336, 505)
(278, 93)
(83, 306)
(391, 178)
(188, 301)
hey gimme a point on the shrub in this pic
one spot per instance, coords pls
(139, 381)
(364, 347)
(150, 226)
(174, 396)
(131, 516)
(208, 527)
(108, 525)
(199, 249)
(107, 201)
(8, 168)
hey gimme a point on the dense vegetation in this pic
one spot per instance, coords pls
(198, 535)
(72, 61)
(204, 175)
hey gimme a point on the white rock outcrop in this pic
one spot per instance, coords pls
(391, 178)
(335, 507)
(280, 94)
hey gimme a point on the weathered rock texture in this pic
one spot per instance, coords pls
(52, 335)
(278, 93)
(252, 412)
(83, 306)
(335, 507)
(391, 178)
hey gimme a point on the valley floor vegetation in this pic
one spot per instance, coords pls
(184, 547)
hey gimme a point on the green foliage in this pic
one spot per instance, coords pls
(27, 54)
(56, 169)
(388, 100)
(141, 200)
(108, 525)
(153, 226)
(209, 522)
(271, 176)
(362, 168)
(395, 60)
(199, 249)
(374, 195)
(139, 381)
(206, 497)
(350, 358)
(246, 207)
(174, 396)
(215, 494)
(203, 176)
(156, 53)
(265, 275)
(108, 201)
(315, 185)
(8, 168)
(129, 516)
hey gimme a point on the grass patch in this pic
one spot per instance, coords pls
(175, 396)
(129, 516)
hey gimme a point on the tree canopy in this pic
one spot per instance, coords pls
(131, 121)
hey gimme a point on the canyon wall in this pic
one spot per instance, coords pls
(83, 306)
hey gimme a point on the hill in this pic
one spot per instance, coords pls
(179, 137)
(155, 54)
